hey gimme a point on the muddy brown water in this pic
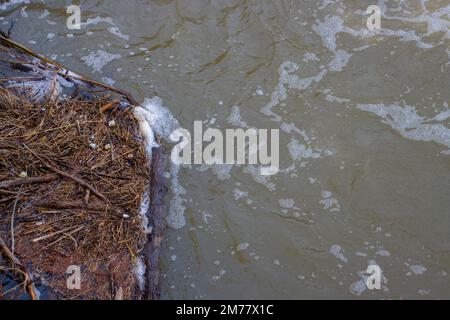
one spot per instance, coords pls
(364, 142)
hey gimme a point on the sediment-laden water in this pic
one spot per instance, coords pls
(364, 135)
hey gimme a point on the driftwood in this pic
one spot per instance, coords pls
(156, 216)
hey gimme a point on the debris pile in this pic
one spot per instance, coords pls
(73, 175)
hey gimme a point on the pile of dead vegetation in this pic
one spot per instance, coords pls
(73, 174)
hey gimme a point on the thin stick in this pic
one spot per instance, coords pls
(66, 235)
(7, 199)
(110, 160)
(64, 205)
(19, 182)
(8, 192)
(78, 180)
(56, 233)
(109, 106)
(61, 70)
(13, 258)
(31, 290)
(13, 215)
(9, 254)
(67, 175)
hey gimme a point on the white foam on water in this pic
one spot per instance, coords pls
(361, 254)
(116, 31)
(337, 251)
(299, 151)
(259, 92)
(145, 205)
(286, 81)
(239, 194)
(97, 60)
(437, 22)
(406, 121)
(221, 171)
(326, 3)
(149, 137)
(243, 246)
(108, 81)
(10, 3)
(220, 274)
(23, 12)
(328, 29)
(417, 269)
(154, 118)
(291, 128)
(139, 271)
(286, 203)
(330, 97)
(113, 29)
(44, 14)
(310, 57)
(257, 177)
(359, 287)
(329, 203)
(383, 253)
(161, 121)
(160, 118)
(235, 118)
(97, 20)
(340, 60)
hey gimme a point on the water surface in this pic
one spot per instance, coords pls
(364, 141)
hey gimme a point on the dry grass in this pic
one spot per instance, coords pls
(79, 202)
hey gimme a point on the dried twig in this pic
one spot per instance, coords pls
(9, 254)
(66, 235)
(78, 204)
(51, 235)
(13, 216)
(109, 106)
(119, 294)
(79, 181)
(28, 281)
(23, 181)
(67, 175)
(64, 72)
